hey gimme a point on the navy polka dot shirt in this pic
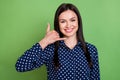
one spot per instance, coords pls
(73, 63)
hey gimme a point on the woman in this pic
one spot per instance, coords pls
(63, 50)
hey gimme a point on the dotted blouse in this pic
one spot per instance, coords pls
(73, 63)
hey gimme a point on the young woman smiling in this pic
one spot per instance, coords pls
(63, 50)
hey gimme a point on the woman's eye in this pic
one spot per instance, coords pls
(62, 21)
(72, 20)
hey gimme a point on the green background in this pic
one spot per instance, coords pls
(23, 23)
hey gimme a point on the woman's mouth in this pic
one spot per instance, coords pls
(68, 30)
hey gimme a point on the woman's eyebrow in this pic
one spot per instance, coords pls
(73, 18)
(62, 19)
(70, 18)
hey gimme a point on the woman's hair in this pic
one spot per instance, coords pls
(63, 7)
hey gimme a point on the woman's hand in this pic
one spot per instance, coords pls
(50, 37)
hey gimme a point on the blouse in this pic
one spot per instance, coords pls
(73, 63)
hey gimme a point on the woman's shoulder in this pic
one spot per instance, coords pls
(90, 45)
(91, 48)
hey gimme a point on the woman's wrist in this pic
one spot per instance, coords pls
(43, 43)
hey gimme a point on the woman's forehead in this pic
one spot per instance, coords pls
(67, 14)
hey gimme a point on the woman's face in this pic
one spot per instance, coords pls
(68, 23)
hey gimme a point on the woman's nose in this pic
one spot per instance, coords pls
(68, 25)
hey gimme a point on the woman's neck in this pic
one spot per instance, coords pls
(71, 42)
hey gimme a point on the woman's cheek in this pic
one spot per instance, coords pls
(62, 25)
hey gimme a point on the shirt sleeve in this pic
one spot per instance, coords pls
(31, 59)
(95, 73)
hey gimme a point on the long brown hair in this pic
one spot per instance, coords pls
(63, 7)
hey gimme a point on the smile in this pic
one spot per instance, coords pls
(69, 30)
